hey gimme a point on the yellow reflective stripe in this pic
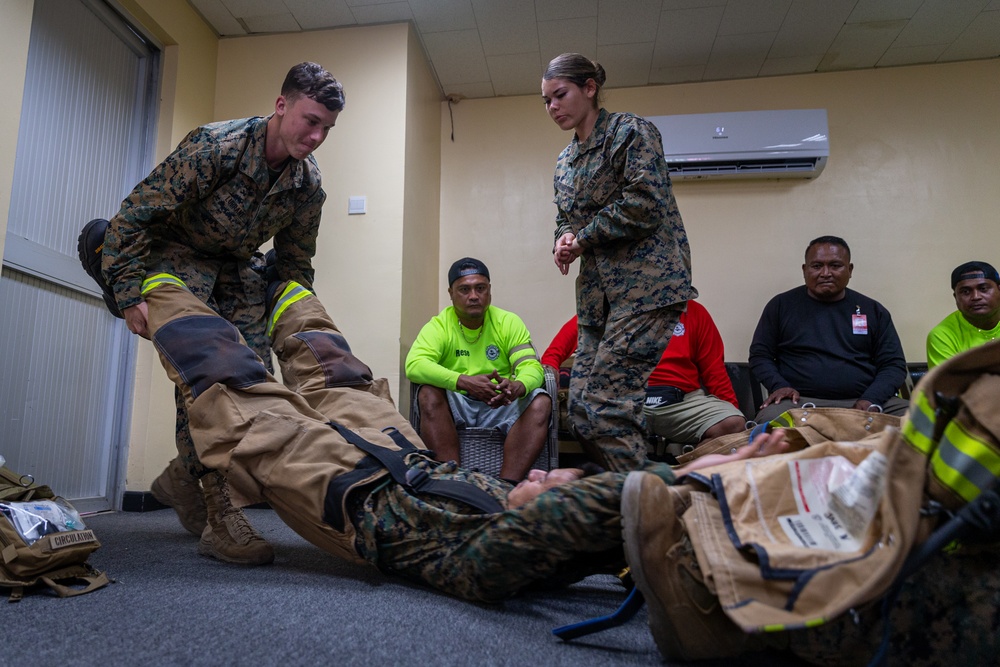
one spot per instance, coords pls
(292, 293)
(154, 281)
(964, 463)
(784, 420)
(781, 627)
(918, 429)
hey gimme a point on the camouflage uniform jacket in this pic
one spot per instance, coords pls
(213, 195)
(613, 192)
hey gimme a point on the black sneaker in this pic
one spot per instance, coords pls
(90, 246)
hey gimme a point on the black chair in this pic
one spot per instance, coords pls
(749, 391)
(481, 449)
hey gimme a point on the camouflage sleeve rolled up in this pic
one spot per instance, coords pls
(295, 245)
(638, 170)
(215, 196)
(183, 177)
(613, 191)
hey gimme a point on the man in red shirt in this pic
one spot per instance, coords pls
(689, 397)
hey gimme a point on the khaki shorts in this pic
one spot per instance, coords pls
(687, 421)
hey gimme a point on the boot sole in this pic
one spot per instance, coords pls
(85, 258)
(660, 626)
(208, 551)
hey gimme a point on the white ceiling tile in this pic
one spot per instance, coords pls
(555, 10)
(274, 23)
(810, 27)
(567, 36)
(908, 55)
(312, 15)
(860, 45)
(869, 11)
(457, 56)
(792, 65)
(443, 15)
(753, 16)
(626, 65)
(507, 27)
(738, 56)
(686, 37)
(219, 17)
(640, 41)
(980, 40)
(627, 21)
(244, 8)
(939, 22)
(383, 13)
(516, 74)
(676, 74)
(470, 90)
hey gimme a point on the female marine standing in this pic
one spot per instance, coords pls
(616, 212)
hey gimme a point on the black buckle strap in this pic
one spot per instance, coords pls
(415, 479)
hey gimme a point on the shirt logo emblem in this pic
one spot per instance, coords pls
(492, 352)
(679, 329)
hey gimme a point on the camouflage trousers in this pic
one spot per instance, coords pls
(274, 442)
(607, 388)
(562, 536)
(232, 288)
(947, 613)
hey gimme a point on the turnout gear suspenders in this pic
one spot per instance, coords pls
(415, 479)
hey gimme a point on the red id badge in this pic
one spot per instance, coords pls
(859, 323)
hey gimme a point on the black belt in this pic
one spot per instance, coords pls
(662, 396)
(416, 479)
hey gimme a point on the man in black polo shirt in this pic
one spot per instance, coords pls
(825, 344)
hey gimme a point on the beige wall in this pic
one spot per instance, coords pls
(911, 184)
(187, 94)
(422, 207)
(15, 28)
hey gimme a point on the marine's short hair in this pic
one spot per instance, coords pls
(311, 80)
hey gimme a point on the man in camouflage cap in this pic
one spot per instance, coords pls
(202, 214)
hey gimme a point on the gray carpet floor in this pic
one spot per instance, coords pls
(169, 606)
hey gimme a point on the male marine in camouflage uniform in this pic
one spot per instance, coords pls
(201, 215)
(616, 208)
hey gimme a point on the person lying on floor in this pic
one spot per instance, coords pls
(317, 449)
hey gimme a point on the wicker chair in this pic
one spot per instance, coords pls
(482, 449)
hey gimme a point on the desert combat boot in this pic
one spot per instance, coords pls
(229, 536)
(176, 487)
(685, 617)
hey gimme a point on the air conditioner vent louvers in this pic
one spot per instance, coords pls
(745, 144)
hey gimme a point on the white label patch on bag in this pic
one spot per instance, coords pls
(836, 501)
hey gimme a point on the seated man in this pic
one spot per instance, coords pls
(678, 408)
(976, 288)
(478, 369)
(825, 344)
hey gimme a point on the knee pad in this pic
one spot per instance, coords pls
(340, 367)
(205, 350)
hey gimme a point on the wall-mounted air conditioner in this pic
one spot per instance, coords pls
(791, 143)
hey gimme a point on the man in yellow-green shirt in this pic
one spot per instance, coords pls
(976, 287)
(478, 368)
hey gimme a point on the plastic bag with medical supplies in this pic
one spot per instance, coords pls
(43, 541)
